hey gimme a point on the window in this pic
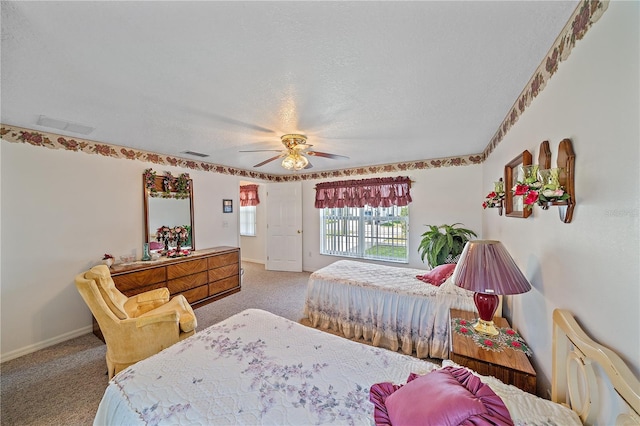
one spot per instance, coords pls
(365, 232)
(248, 221)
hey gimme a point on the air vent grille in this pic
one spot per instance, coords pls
(197, 154)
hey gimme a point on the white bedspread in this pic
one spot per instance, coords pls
(258, 368)
(385, 305)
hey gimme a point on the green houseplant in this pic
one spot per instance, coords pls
(443, 244)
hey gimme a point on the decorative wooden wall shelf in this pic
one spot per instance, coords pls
(544, 162)
(566, 164)
(513, 205)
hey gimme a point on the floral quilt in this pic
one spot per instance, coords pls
(255, 368)
(387, 306)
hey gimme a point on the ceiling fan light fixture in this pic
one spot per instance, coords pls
(295, 161)
(293, 140)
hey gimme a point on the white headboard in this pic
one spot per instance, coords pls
(574, 379)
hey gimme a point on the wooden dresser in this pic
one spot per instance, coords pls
(202, 277)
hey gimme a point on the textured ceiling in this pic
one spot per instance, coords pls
(378, 82)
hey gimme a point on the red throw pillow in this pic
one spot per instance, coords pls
(449, 396)
(438, 275)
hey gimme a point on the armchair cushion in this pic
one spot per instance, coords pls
(145, 302)
(186, 317)
(112, 296)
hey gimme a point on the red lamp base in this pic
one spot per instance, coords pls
(486, 305)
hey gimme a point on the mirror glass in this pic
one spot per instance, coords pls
(162, 210)
(514, 172)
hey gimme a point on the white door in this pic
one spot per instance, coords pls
(284, 227)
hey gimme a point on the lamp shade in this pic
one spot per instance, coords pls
(485, 266)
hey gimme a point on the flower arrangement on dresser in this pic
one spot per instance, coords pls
(108, 259)
(178, 234)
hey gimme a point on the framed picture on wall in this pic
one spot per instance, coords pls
(227, 206)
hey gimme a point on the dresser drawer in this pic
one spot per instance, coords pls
(223, 272)
(186, 268)
(222, 285)
(222, 260)
(185, 283)
(196, 294)
(134, 291)
(136, 280)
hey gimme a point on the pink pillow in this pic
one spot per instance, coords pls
(449, 396)
(438, 275)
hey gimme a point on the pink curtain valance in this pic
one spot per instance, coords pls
(249, 195)
(376, 192)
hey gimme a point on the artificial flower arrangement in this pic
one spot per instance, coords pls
(108, 259)
(150, 182)
(172, 187)
(540, 187)
(178, 253)
(183, 186)
(178, 234)
(495, 197)
(163, 235)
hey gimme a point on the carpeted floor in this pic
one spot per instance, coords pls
(63, 384)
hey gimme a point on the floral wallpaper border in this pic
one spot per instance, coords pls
(585, 15)
(55, 141)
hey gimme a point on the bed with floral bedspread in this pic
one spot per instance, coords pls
(387, 306)
(259, 368)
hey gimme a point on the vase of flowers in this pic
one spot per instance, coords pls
(179, 235)
(107, 259)
(163, 235)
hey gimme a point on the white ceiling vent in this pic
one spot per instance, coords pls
(197, 154)
(64, 125)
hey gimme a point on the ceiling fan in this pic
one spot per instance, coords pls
(296, 147)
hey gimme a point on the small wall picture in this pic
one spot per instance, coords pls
(227, 206)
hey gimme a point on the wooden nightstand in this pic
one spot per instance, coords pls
(509, 365)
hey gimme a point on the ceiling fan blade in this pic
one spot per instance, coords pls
(325, 155)
(308, 166)
(270, 159)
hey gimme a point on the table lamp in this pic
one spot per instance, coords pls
(486, 268)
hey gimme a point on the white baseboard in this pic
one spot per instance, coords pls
(244, 259)
(45, 343)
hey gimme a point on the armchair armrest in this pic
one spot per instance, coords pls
(168, 316)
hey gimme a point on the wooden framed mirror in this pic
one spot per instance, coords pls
(168, 201)
(514, 206)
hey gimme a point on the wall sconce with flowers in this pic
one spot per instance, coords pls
(495, 199)
(550, 186)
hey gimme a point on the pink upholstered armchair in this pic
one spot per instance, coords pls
(134, 328)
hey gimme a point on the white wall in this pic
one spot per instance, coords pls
(440, 196)
(61, 211)
(590, 266)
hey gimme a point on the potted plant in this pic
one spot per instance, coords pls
(443, 244)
